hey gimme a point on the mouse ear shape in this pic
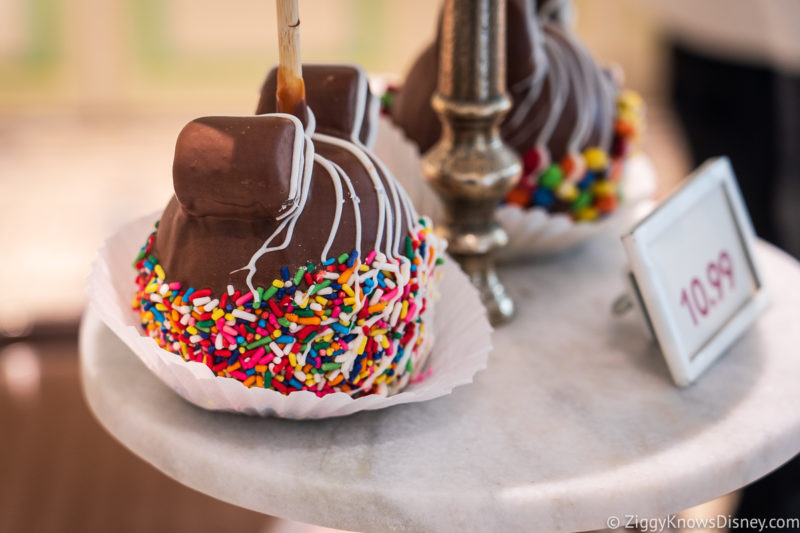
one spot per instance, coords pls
(237, 167)
(339, 97)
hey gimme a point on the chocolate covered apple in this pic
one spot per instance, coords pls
(289, 258)
(570, 122)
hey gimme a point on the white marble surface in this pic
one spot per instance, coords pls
(574, 420)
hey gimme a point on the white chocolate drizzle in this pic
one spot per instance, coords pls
(393, 202)
(393, 206)
(566, 68)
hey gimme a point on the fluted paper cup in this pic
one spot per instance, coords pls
(460, 347)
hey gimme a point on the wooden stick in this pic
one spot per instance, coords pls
(291, 91)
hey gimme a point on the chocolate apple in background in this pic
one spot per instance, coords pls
(548, 74)
(564, 121)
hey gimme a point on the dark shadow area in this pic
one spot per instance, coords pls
(61, 472)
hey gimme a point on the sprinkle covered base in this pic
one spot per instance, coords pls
(585, 185)
(344, 325)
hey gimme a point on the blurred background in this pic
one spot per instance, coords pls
(94, 92)
(92, 96)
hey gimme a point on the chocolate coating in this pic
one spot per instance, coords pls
(332, 94)
(203, 247)
(232, 179)
(222, 169)
(533, 45)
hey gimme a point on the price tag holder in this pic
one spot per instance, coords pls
(694, 270)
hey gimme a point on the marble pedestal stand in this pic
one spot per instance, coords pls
(575, 420)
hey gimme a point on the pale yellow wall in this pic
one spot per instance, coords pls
(103, 55)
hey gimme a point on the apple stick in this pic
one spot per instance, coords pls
(291, 91)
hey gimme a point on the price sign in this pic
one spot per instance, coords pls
(695, 272)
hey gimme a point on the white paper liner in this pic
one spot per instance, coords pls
(531, 231)
(461, 345)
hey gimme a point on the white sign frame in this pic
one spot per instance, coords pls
(686, 367)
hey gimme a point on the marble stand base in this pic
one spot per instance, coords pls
(574, 420)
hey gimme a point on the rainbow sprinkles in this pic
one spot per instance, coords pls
(341, 326)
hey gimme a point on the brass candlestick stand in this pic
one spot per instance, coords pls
(470, 167)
